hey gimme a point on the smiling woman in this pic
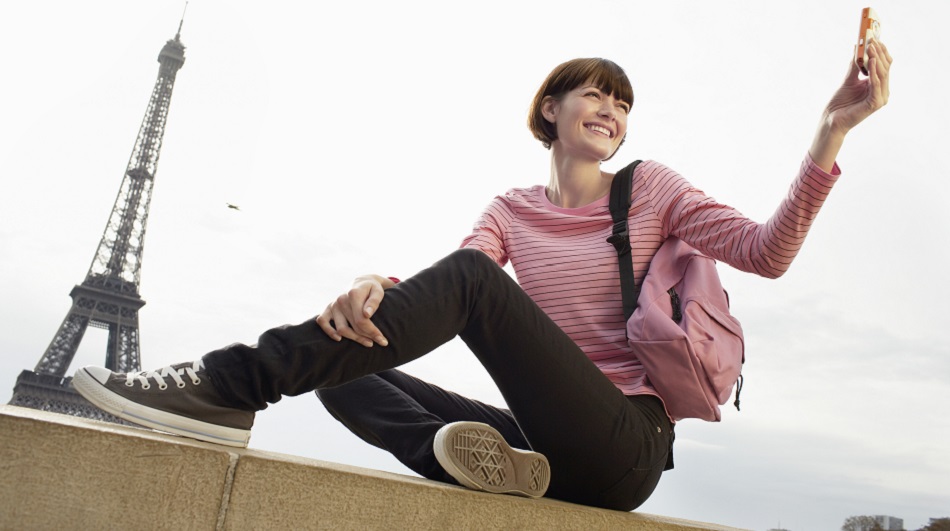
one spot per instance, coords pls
(600, 74)
(589, 123)
(585, 423)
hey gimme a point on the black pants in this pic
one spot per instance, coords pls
(605, 449)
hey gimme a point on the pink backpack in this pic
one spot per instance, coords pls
(678, 320)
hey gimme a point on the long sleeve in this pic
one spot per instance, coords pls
(490, 230)
(723, 233)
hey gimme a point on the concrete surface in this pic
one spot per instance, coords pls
(62, 472)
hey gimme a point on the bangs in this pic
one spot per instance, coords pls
(603, 74)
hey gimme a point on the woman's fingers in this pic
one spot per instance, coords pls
(364, 299)
(878, 75)
(325, 322)
(347, 318)
(349, 315)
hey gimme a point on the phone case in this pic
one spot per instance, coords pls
(870, 30)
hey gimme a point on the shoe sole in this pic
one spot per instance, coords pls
(478, 457)
(92, 390)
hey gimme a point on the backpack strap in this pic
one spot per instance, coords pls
(619, 210)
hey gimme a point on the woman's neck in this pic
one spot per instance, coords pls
(575, 183)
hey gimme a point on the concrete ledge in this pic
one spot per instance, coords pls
(61, 472)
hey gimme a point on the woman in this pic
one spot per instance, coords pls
(584, 424)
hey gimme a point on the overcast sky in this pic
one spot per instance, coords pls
(362, 137)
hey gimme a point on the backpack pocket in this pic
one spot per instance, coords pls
(717, 342)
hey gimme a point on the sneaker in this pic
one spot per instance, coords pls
(478, 457)
(177, 399)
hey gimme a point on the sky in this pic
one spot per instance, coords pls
(366, 137)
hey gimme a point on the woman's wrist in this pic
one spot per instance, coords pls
(826, 145)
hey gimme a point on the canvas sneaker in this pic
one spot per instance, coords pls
(177, 399)
(478, 457)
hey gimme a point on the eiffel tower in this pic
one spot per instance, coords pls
(109, 296)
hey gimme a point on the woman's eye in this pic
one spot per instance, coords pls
(593, 93)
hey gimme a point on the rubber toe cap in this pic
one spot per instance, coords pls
(99, 373)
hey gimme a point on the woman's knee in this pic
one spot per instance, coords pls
(475, 264)
(471, 255)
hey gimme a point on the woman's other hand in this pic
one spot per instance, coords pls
(854, 101)
(859, 98)
(349, 315)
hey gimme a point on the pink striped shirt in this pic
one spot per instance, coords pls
(563, 261)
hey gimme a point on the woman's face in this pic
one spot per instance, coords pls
(589, 122)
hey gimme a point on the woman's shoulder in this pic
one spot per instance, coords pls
(513, 201)
(653, 174)
(521, 195)
(525, 191)
(650, 168)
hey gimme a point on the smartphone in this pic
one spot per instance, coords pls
(870, 30)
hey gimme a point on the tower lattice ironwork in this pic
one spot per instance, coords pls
(109, 298)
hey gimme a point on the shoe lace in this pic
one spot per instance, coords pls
(171, 371)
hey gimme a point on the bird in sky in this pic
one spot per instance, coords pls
(235, 207)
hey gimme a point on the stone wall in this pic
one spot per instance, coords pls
(61, 472)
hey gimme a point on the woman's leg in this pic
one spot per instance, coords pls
(401, 414)
(604, 448)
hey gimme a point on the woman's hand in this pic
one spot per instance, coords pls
(852, 103)
(859, 98)
(349, 315)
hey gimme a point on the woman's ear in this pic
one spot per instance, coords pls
(549, 108)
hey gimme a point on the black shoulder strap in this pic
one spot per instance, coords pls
(619, 211)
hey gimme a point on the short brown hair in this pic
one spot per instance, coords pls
(602, 73)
